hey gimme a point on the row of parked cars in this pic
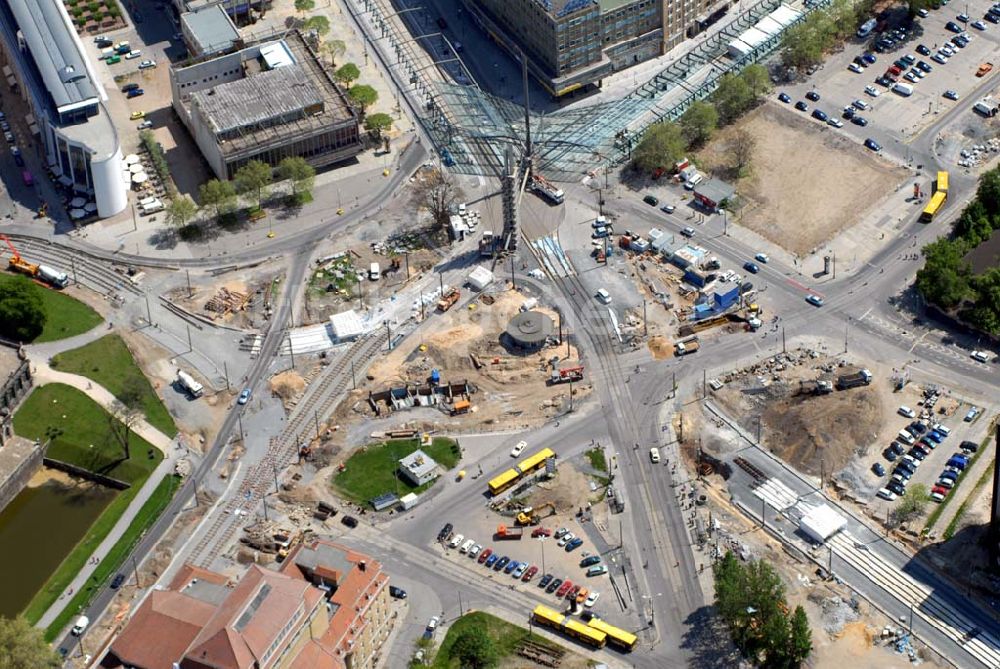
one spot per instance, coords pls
(562, 588)
(850, 113)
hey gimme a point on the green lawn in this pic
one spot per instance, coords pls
(372, 470)
(109, 362)
(506, 636)
(64, 316)
(112, 562)
(597, 459)
(80, 434)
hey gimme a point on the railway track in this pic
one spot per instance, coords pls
(320, 399)
(84, 269)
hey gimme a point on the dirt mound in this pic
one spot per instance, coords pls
(287, 385)
(823, 431)
(660, 347)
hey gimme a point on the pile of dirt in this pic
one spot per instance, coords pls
(288, 385)
(660, 347)
(811, 432)
(569, 491)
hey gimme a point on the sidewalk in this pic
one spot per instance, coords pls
(43, 374)
(165, 468)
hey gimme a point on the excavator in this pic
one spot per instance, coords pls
(17, 263)
(533, 516)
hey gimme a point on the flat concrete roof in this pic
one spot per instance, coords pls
(210, 28)
(56, 50)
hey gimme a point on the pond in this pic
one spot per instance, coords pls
(39, 528)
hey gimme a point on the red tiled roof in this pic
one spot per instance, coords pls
(161, 630)
(314, 656)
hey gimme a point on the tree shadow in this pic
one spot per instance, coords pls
(707, 642)
(163, 239)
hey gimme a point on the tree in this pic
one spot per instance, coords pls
(475, 649)
(347, 73)
(127, 409)
(803, 44)
(334, 48)
(985, 314)
(699, 122)
(437, 192)
(181, 210)
(912, 504)
(22, 315)
(219, 195)
(319, 23)
(23, 646)
(944, 278)
(757, 79)
(732, 98)
(303, 6)
(661, 146)
(363, 96)
(254, 178)
(800, 637)
(300, 173)
(376, 124)
(742, 147)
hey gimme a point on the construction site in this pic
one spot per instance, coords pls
(238, 302)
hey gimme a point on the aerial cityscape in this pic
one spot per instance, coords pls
(499, 334)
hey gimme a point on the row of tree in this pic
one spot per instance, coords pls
(254, 180)
(750, 599)
(666, 143)
(946, 278)
(804, 44)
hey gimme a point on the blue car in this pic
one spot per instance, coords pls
(491, 560)
(957, 464)
(751, 267)
(573, 545)
(878, 469)
(890, 455)
(501, 563)
(935, 436)
(511, 566)
(950, 475)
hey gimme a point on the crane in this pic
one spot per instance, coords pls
(17, 263)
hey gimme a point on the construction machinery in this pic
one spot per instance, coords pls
(570, 374)
(708, 323)
(540, 184)
(17, 263)
(449, 299)
(507, 532)
(533, 515)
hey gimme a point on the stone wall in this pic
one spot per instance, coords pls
(15, 388)
(19, 460)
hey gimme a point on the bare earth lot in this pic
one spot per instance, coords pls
(792, 198)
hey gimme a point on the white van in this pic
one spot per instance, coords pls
(905, 437)
(906, 90)
(80, 626)
(374, 272)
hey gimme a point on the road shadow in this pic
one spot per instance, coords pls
(706, 640)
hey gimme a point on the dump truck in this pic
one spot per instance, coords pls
(449, 300)
(187, 382)
(686, 347)
(862, 377)
(508, 532)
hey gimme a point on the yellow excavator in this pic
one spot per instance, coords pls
(533, 516)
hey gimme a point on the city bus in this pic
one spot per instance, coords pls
(934, 206)
(941, 183)
(616, 637)
(531, 463)
(551, 618)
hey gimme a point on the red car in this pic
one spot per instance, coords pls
(541, 532)
(564, 588)
(530, 574)
(940, 489)
(573, 593)
(485, 554)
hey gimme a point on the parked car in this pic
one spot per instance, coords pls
(349, 521)
(801, 106)
(484, 555)
(651, 200)
(859, 120)
(445, 532)
(898, 488)
(501, 563)
(456, 541)
(688, 231)
(433, 623)
(590, 560)
(812, 95)
(117, 581)
(820, 115)
(597, 570)
(878, 469)
(886, 494)
(560, 532)
(135, 93)
(574, 544)
(491, 561)
(835, 122)
(872, 91)
(783, 97)
(565, 539)
(541, 532)
(145, 125)
(521, 568)
(591, 599)
(564, 588)
(545, 580)
(970, 446)
(854, 67)
(951, 26)
(890, 455)
(530, 574)
(554, 585)
(146, 64)
(398, 593)
(81, 625)
(511, 566)
(923, 50)
(906, 411)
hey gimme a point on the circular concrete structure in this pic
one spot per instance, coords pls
(530, 329)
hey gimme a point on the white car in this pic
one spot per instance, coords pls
(981, 356)
(560, 532)
(603, 295)
(469, 543)
(886, 494)
(872, 91)
(474, 551)
(941, 428)
(906, 412)
(854, 67)
(762, 257)
(145, 125)
(566, 538)
(835, 122)
(131, 55)
(456, 541)
(688, 232)
(433, 623)
(654, 455)
(592, 599)
(516, 451)
(146, 64)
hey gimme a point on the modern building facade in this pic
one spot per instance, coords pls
(53, 75)
(328, 608)
(571, 44)
(268, 101)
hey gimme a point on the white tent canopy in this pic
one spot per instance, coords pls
(821, 523)
(346, 325)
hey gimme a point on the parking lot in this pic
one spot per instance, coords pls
(890, 118)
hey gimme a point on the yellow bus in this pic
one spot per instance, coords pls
(941, 183)
(618, 638)
(551, 618)
(505, 480)
(934, 206)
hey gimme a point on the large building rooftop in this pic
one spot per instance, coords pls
(210, 29)
(56, 50)
(269, 98)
